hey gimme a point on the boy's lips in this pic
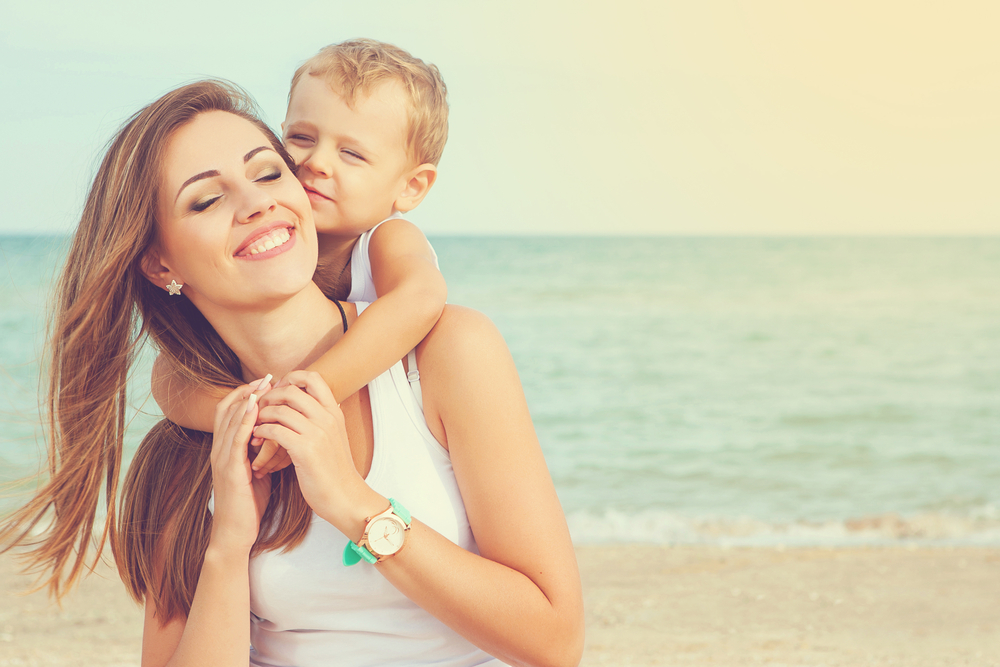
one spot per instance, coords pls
(267, 241)
(314, 193)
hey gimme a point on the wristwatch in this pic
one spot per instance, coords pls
(384, 536)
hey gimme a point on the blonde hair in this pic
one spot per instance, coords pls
(105, 310)
(358, 66)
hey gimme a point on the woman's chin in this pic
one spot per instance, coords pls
(274, 275)
(278, 290)
(254, 294)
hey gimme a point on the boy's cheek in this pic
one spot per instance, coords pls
(297, 158)
(324, 223)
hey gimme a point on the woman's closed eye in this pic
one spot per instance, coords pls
(204, 204)
(269, 176)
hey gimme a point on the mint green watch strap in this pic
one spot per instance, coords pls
(354, 554)
(400, 511)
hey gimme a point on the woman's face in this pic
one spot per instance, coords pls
(235, 227)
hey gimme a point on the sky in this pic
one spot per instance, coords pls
(715, 117)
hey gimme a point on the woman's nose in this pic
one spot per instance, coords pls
(256, 202)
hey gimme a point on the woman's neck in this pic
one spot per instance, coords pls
(335, 251)
(286, 337)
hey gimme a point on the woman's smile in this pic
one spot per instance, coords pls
(267, 242)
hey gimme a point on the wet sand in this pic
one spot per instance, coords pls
(650, 605)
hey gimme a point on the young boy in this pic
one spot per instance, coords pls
(366, 125)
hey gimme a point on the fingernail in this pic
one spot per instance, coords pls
(267, 378)
(252, 401)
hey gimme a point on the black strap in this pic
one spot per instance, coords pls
(343, 315)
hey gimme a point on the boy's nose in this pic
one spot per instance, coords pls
(315, 163)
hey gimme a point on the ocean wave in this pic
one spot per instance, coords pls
(978, 527)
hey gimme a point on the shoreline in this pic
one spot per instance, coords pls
(655, 605)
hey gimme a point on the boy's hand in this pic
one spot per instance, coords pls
(271, 457)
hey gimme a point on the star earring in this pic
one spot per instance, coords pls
(174, 288)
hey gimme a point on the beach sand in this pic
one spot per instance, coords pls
(651, 605)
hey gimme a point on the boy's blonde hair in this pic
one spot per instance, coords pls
(359, 65)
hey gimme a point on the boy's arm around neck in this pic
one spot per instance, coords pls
(412, 293)
(182, 403)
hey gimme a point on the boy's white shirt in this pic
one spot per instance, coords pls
(362, 283)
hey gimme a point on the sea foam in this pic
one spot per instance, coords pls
(977, 528)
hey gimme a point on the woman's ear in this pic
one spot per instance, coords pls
(157, 272)
(416, 187)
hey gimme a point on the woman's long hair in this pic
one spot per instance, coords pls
(105, 310)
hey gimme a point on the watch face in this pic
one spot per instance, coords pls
(385, 535)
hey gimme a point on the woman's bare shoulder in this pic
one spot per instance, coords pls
(462, 331)
(463, 356)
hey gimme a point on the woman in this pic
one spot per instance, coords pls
(184, 189)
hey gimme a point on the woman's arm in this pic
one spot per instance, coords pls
(217, 631)
(520, 600)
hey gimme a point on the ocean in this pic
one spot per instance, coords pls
(781, 391)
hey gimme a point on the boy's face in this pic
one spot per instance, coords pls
(352, 162)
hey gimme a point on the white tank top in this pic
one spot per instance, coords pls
(362, 284)
(308, 609)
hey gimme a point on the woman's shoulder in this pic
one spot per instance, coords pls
(463, 358)
(460, 334)
(458, 322)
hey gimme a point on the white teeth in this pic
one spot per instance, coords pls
(271, 241)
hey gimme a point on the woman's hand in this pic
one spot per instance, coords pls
(301, 415)
(240, 498)
(266, 456)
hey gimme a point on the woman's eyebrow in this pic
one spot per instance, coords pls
(246, 158)
(196, 177)
(215, 172)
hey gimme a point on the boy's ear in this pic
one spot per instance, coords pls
(419, 183)
(156, 271)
